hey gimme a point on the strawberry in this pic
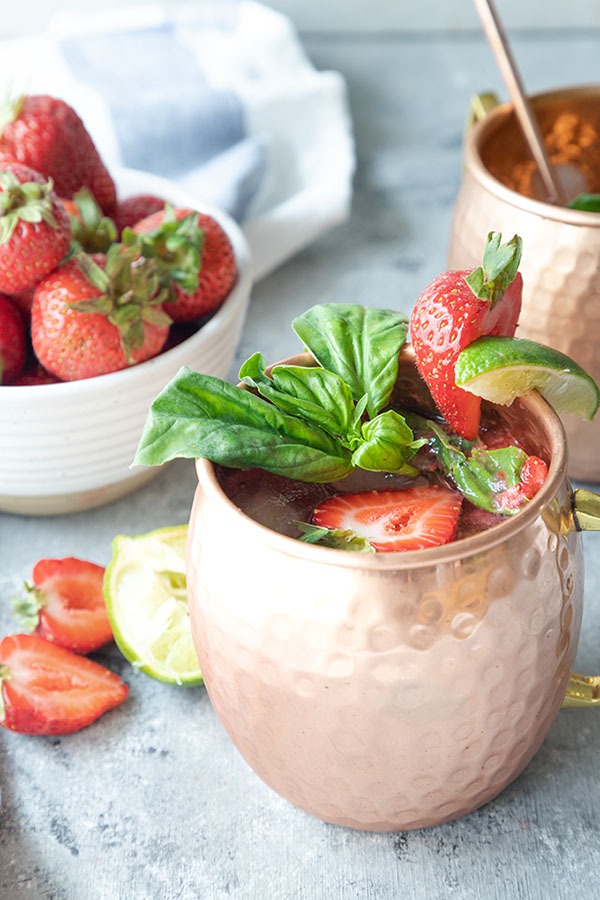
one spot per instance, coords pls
(532, 476)
(91, 229)
(46, 134)
(195, 259)
(132, 210)
(34, 374)
(98, 314)
(65, 604)
(46, 689)
(13, 346)
(34, 229)
(409, 519)
(456, 308)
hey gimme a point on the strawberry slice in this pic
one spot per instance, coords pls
(65, 604)
(46, 689)
(454, 310)
(409, 519)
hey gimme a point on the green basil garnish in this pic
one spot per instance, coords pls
(359, 344)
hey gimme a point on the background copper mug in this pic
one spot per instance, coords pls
(393, 691)
(501, 191)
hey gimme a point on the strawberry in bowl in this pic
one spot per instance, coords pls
(80, 435)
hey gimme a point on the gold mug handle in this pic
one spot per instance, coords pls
(480, 106)
(584, 690)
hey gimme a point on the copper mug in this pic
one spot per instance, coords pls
(501, 191)
(394, 691)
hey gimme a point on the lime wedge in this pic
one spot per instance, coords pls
(146, 598)
(500, 369)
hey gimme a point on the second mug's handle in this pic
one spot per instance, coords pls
(584, 690)
(481, 105)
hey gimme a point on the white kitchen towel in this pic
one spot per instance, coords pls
(217, 95)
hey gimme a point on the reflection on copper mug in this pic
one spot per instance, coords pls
(500, 191)
(394, 691)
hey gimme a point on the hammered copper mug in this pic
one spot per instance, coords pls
(501, 191)
(393, 691)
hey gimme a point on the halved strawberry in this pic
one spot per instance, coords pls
(46, 689)
(454, 310)
(409, 519)
(65, 604)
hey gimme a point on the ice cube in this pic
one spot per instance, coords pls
(272, 500)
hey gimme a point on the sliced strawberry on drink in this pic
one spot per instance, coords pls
(46, 689)
(409, 519)
(454, 310)
(65, 604)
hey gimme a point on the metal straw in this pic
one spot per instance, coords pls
(500, 47)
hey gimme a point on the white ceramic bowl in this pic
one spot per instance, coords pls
(68, 447)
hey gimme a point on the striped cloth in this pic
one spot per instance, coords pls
(218, 96)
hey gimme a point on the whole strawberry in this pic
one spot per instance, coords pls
(194, 258)
(131, 210)
(98, 314)
(456, 308)
(46, 134)
(12, 341)
(34, 228)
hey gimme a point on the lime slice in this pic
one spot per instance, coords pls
(146, 598)
(500, 369)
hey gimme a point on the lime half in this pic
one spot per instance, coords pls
(500, 369)
(146, 598)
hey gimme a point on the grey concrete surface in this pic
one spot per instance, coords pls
(152, 802)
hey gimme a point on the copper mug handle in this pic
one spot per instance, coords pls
(584, 690)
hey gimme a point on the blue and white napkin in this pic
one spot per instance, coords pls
(218, 96)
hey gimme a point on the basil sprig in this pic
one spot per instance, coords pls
(338, 538)
(313, 424)
(479, 474)
(358, 343)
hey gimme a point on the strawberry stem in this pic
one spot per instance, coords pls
(500, 266)
(28, 201)
(131, 295)
(9, 111)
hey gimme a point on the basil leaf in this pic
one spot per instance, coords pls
(482, 475)
(360, 344)
(388, 444)
(310, 392)
(586, 202)
(197, 415)
(338, 538)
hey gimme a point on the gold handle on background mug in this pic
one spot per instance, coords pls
(584, 690)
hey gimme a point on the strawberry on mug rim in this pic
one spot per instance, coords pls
(454, 310)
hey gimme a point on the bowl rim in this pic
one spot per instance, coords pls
(168, 359)
(533, 405)
(494, 120)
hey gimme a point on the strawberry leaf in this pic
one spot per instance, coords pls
(500, 266)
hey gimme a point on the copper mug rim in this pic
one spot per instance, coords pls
(533, 404)
(493, 119)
